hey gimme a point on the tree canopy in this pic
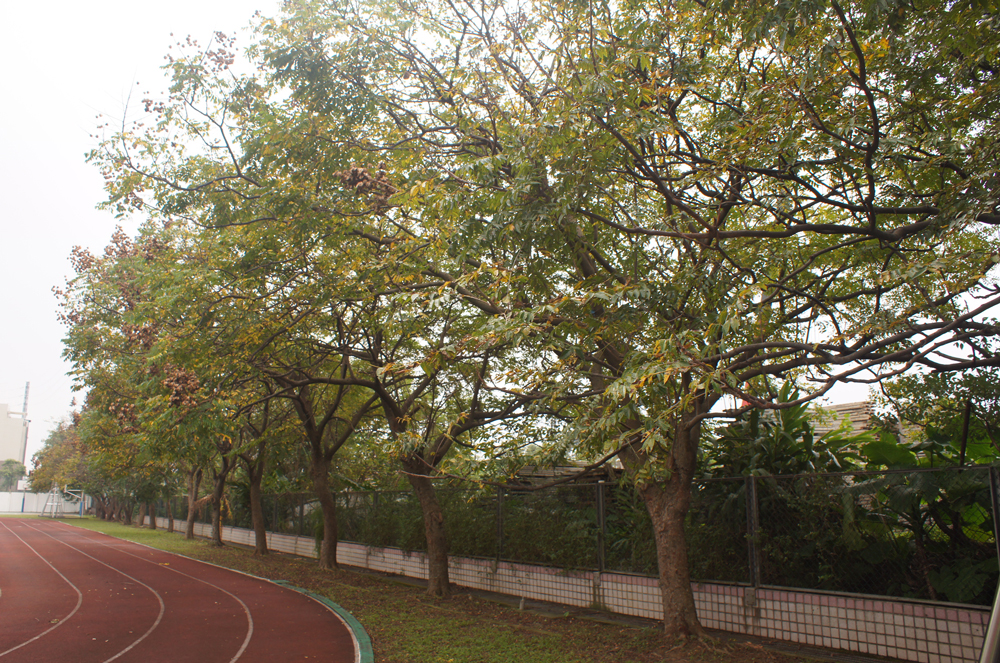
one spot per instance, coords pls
(614, 216)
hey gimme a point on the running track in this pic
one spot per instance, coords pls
(72, 595)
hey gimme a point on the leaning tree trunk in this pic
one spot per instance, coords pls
(321, 486)
(437, 541)
(194, 483)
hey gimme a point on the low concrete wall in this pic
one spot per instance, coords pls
(908, 630)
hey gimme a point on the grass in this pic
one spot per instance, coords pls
(407, 626)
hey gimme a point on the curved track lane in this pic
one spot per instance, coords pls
(72, 594)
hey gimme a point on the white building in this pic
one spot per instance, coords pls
(13, 434)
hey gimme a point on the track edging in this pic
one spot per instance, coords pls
(365, 652)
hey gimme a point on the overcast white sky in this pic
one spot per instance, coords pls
(65, 62)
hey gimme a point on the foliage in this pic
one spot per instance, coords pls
(958, 409)
(61, 461)
(613, 216)
(935, 524)
(11, 471)
(939, 521)
(629, 544)
(782, 442)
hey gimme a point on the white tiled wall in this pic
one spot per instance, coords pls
(905, 630)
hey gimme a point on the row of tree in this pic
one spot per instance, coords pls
(452, 236)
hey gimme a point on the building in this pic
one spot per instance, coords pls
(13, 434)
(859, 417)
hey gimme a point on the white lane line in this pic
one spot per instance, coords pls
(159, 617)
(79, 596)
(246, 610)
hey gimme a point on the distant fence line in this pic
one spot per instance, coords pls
(920, 534)
(27, 502)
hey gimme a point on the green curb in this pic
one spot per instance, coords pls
(365, 653)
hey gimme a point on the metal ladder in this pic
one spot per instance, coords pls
(53, 500)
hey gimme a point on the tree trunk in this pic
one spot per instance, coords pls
(142, 515)
(194, 483)
(152, 515)
(667, 500)
(321, 486)
(170, 514)
(437, 541)
(255, 466)
(218, 491)
(257, 512)
(667, 503)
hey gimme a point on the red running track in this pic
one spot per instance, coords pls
(72, 595)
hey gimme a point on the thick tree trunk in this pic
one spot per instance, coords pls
(255, 466)
(194, 484)
(152, 515)
(218, 491)
(142, 515)
(321, 486)
(667, 503)
(668, 500)
(437, 541)
(257, 513)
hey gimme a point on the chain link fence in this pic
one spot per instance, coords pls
(924, 534)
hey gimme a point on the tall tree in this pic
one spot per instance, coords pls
(657, 206)
(681, 202)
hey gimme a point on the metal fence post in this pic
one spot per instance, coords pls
(602, 527)
(991, 642)
(499, 523)
(753, 530)
(995, 501)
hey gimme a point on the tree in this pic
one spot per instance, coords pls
(652, 207)
(11, 471)
(673, 203)
(959, 409)
(263, 427)
(343, 299)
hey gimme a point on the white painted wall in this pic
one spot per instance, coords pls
(13, 435)
(34, 503)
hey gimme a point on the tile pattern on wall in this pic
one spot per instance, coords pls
(905, 630)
